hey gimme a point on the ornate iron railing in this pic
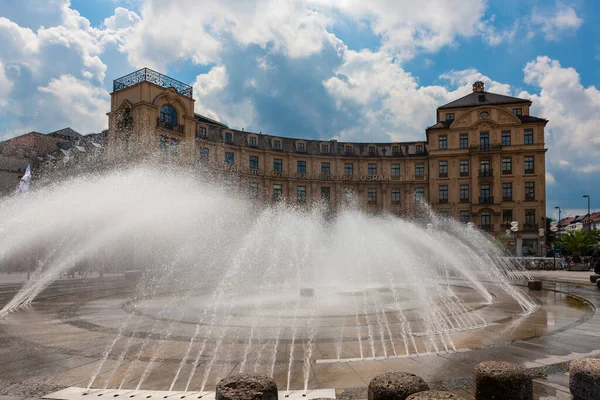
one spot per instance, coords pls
(148, 75)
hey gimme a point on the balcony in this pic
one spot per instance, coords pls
(148, 75)
(484, 148)
(530, 227)
(165, 125)
(487, 227)
(507, 172)
(486, 200)
(464, 200)
(464, 173)
(486, 173)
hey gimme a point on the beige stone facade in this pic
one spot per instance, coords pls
(483, 161)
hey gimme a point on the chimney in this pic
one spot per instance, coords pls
(478, 87)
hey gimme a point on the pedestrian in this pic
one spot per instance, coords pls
(597, 266)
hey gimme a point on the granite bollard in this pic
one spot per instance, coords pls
(246, 387)
(594, 278)
(534, 285)
(500, 380)
(584, 379)
(395, 386)
(434, 395)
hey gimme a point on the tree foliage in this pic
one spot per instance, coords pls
(578, 242)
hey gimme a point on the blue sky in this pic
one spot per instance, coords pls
(352, 70)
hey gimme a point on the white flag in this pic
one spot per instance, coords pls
(25, 180)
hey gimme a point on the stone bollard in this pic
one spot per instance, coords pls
(584, 379)
(534, 285)
(434, 395)
(395, 386)
(246, 387)
(594, 278)
(500, 380)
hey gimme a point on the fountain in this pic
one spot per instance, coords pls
(272, 290)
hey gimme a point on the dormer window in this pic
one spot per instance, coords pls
(277, 144)
(517, 111)
(348, 150)
(419, 148)
(228, 137)
(200, 131)
(301, 147)
(449, 116)
(324, 148)
(252, 141)
(371, 149)
(395, 149)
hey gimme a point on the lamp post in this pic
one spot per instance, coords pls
(514, 227)
(588, 214)
(558, 208)
(541, 233)
(554, 228)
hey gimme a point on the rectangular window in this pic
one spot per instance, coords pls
(277, 192)
(324, 148)
(348, 169)
(485, 197)
(229, 157)
(507, 217)
(253, 162)
(396, 170)
(204, 154)
(484, 168)
(464, 140)
(326, 193)
(464, 193)
(253, 190)
(301, 167)
(505, 138)
(517, 111)
(372, 169)
(419, 169)
(506, 166)
(529, 191)
(301, 193)
(395, 150)
(395, 196)
(252, 141)
(449, 116)
(507, 192)
(371, 149)
(277, 144)
(443, 142)
(464, 167)
(301, 148)
(419, 148)
(530, 218)
(277, 165)
(228, 138)
(372, 195)
(486, 220)
(528, 164)
(464, 217)
(348, 150)
(443, 169)
(528, 136)
(443, 194)
(419, 195)
(325, 168)
(200, 131)
(484, 141)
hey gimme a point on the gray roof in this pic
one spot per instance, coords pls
(474, 100)
(66, 133)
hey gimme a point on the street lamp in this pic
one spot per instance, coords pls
(541, 233)
(554, 228)
(514, 227)
(558, 208)
(588, 214)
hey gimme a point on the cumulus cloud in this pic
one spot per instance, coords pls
(550, 180)
(121, 19)
(554, 23)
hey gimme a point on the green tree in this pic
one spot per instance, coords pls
(578, 242)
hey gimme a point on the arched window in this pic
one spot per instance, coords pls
(168, 116)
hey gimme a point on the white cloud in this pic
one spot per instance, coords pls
(121, 19)
(564, 163)
(590, 168)
(554, 23)
(550, 179)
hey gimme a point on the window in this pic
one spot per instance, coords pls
(484, 141)
(174, 147)
(419, 148)
(507, 191)
(395, 196)
(484, 168)
(277, 165)
(517, 111)
(419, 195)
(464, 216)
(200, 131)
(204, 154)
(229, 157)
(507, 217)
(528, 136)
(253, 190)
(529, 165)
(449, 116)
(252, 141)
(464, 167)
(127, 143)
(506, 166)
(443, 194)
(301, 194)
(324, 148)
(372, 195)
(348, 194)
(162, 144)
(464, 140)
(443, 142)
(484, 114)
(253, 162)
(485, 197)
(228, 137)
(529, 191)
(464, 193)
(419, 169)
(443, 169)
(348, 169)
(301, 147)
(395, 149)
(505, 138)
(486, 220)
(326, 193)
(395, 169)
(371, 149)
(348, 150)
(529, 217)
(168, 116)
(372, 169)
(277, 192)
(301, 167)
(277, 144)
(325, 168)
